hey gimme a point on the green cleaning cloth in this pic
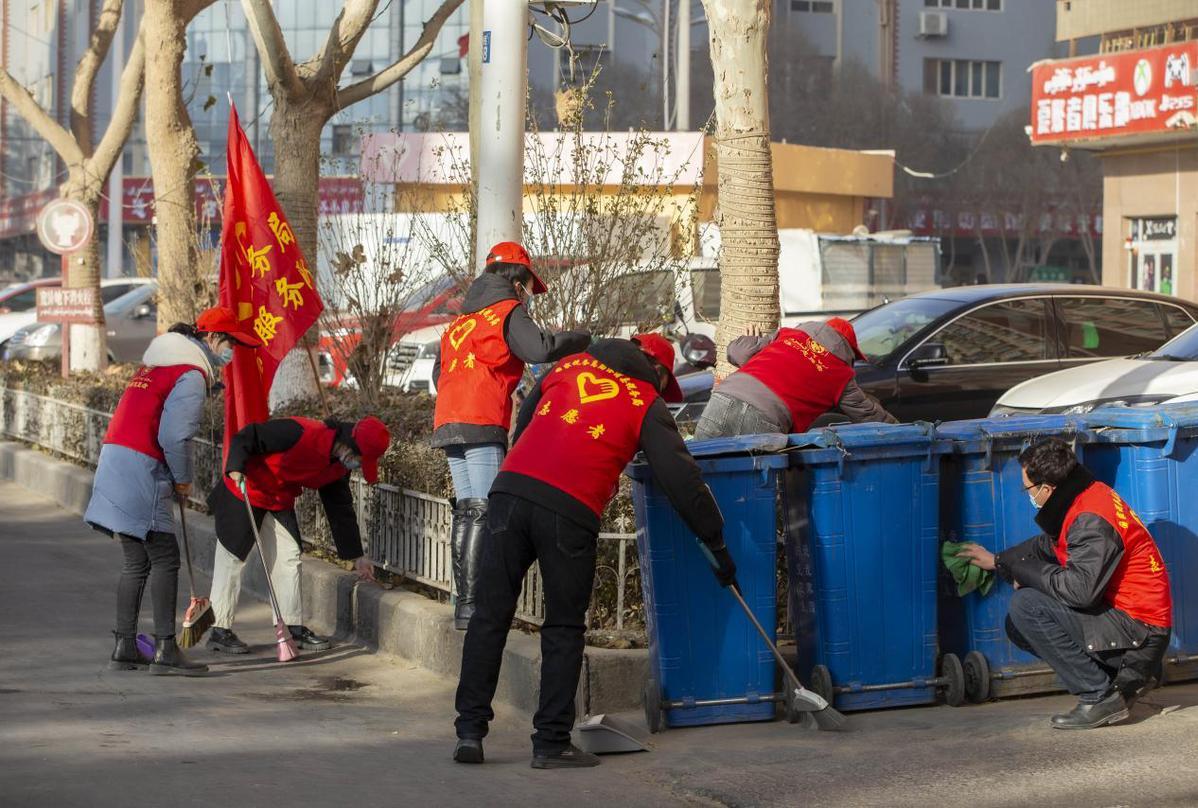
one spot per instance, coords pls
(966, 575)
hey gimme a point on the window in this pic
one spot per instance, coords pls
(1097, 327)
(23, 301)
(962, 78)
(818, 6)
(705, 287)
(965, 5)
(885, 329)
(1014, 331)
(111, 293)
(1177, 319)
(343, 138)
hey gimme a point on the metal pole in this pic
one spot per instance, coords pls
(502, 92)
(116, 180)
(682, 92)
(665, 65)
(65, 328)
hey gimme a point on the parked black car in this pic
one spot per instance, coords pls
(950, 353)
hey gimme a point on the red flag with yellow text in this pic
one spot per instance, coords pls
(266, 281)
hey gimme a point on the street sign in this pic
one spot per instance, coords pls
(64, 226)
(56, 305)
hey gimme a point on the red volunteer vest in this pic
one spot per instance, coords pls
(1140, 585)
(478, 370)
(135, 423)
(586, 430)
(804, 374)
(307, 464)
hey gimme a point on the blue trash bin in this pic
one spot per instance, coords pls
(708, 665)
(862, 554)
(1150, 457)
(982, 500)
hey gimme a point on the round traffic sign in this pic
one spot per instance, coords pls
(64, 226)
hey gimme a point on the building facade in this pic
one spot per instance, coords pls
(1132, 97)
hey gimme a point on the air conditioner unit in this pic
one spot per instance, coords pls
(933, 23)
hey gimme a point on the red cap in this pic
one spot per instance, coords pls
(222, 320)
(658, 347)
(845, 329)
(372, 438)
(509, 252)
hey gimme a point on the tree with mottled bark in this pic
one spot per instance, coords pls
(88, 163)
(306, 96)
(748, 259)
(174, 152)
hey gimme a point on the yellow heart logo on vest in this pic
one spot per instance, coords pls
(602, 388)
(458, 334)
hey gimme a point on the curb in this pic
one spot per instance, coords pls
(393, 622)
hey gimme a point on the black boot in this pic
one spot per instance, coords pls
(308, 640)
(569, 758)
(168, 659)
(457, 540)
(475, 520)
(468, 750)
(223, 639)
(127, 656)
(1111, 710)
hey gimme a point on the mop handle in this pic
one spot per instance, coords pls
(191, 578)
(270, 586)
(794, 680)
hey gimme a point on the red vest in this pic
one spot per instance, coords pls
(804, 374)
(478, 370)
(277, 480)
(586, 430)
(134, 425)
(1140, 585)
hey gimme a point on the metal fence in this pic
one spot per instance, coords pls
(406, 532)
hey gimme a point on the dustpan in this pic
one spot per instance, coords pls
(606, 735)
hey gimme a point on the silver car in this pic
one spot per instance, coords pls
(132, 321)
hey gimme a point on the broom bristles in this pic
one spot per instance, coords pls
(830, 719)
(196, 622)
(286, 644)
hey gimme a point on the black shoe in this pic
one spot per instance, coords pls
(127, 656)
(572, 758)
(474, 516)
(223, 639)
(1133, 694)
(468, 750)
(169, 660)
(1110, 710)
(308, 641)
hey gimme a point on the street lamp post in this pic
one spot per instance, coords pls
(682, 71)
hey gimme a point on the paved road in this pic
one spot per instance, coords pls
(352, 728)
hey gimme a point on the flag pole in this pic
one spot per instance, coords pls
(324, 398)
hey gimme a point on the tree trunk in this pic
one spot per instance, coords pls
(748, 227)
(174, 155)
(88, 346)
(295, 130)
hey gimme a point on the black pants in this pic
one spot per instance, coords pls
(155, 558)
(520, 532)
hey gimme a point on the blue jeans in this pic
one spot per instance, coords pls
(1044, 626)
(473, 467)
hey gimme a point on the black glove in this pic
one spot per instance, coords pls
(725, 568)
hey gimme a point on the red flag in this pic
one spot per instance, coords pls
(266, 281)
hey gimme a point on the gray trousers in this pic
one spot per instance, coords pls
(726, 417)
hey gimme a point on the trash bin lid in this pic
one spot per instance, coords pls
(1167, 415)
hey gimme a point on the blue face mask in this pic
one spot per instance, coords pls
(351, 462)
(226, 355)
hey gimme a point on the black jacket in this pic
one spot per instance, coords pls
(1095, 550)
(272, 437)
(674, 470)
(525, 339)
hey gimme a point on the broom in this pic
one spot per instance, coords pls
(199, 617)
(284, 641)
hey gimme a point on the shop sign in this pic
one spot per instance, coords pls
(1115, 94)
(1159, 229)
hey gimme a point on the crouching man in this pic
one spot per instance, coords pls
(1092, 594)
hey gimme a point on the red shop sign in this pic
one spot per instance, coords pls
(1116, 94)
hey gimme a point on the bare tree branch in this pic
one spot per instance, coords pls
(86, 70)
(343, 39)
(396, 71)
(47, 128)
(123, 114)
(272, 47)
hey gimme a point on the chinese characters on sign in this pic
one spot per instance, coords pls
(56, 305)
(1134, 92)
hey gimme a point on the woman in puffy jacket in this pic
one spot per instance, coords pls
(145, 465)
(482, 358)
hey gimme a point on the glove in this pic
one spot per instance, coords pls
(725, 567)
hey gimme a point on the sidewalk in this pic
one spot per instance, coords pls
(348, 727)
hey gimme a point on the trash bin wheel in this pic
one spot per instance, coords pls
(655, 715)
(821, 682)
(977, 677)
(954, 689)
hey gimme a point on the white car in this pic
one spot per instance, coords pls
(1165, 376)
(24, 315)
